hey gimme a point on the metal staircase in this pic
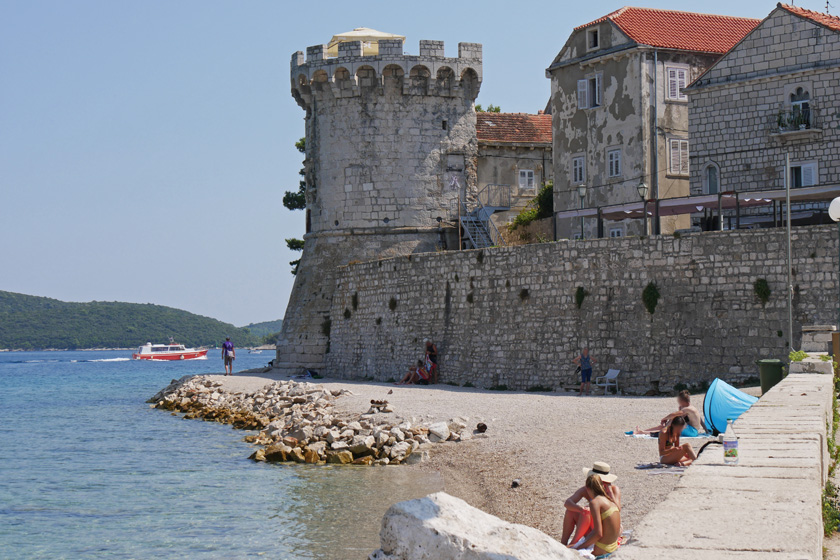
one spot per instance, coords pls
(478, 229)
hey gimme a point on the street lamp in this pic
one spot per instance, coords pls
(834, 213)
(582, 194)
(643, 192)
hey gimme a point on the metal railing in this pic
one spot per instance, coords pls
(794, 120)
(497, 196)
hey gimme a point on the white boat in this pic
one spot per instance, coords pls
(252, 351)
(168, 352)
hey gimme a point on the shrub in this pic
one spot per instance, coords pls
(831, 509)
(650, 297)
(392, 303)
(541, 207)
(507, 283)
(498, 388)
(580, 295)
(797, 356)
(325, 327)
(540, 389)
(468, 384)
(456, 278)
(479, 257)
(762, 290)
(452, 383)
(470, 297)
(390, 380)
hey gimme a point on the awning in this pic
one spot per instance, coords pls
(694, 204)
(369, 37)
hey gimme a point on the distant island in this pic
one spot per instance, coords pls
(40, 323)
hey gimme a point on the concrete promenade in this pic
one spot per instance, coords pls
(769, 505)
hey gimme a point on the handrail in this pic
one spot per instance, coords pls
(497, 195)
(792, 120)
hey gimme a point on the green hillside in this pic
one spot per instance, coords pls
(30, 322)
(267, 327)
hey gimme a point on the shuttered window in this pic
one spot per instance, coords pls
(614, 163)
(526, 179)
(803, 175)
(677, 80)
(583, 94)
(578, 170)
(589, 92)
(678, 156)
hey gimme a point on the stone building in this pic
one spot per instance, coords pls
(620, 116)
(390, 145)
(514, 160)
(776, 92)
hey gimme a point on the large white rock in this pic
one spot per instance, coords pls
(442, 527)
(438, 432)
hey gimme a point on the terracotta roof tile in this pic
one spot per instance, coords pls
(669, 29)
(832, 22)
(513, 128)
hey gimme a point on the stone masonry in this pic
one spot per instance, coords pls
(390, 142)
(507, 316)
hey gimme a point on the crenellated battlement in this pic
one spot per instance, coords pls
(351, 73)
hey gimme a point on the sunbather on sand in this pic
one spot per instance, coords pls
(413, 375)
(671, 451)
(578, 519)
(606, 520)
(694, 419)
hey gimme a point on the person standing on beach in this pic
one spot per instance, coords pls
(432, 358)
(585, 361)
(228, 355)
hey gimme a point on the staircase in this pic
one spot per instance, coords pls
(478, 230)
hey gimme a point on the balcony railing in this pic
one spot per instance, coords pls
(795, 120)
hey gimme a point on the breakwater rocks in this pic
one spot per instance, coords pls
(298, 422)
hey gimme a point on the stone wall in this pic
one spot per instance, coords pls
(507, 316)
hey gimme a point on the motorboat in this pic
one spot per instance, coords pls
(168, 352)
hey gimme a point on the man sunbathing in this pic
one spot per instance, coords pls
(694, 420)
(415, 375)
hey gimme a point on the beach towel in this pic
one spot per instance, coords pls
(648, 436)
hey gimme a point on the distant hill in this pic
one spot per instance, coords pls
(259, 330)
(31, 322)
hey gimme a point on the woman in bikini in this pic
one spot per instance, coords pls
(671, 452)
(606, 520)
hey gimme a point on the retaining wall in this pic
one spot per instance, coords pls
(769, 504)
(508, 316)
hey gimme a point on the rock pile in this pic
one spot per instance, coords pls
(298, 422)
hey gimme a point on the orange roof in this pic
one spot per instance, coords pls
(832, 22)
(687, 31)
(513, 128)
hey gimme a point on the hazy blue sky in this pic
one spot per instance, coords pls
(145, 146)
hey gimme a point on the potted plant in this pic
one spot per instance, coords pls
(781, 121)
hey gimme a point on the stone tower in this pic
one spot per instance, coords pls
(390, 150)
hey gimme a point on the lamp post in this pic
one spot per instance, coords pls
(643, 192)
(582, 194)
(834, 213)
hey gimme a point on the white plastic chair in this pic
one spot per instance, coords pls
(611, 379)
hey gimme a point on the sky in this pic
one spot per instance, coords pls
(145, 146)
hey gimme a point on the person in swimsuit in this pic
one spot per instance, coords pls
(585, 362)
(606, 520)
(413, 375)
(694, 426)
(432, 356)
(578, 519)
(671, 452)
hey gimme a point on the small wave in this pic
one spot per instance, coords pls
(111, 360)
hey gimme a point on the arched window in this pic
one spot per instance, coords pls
(800, 105)
(711, 179)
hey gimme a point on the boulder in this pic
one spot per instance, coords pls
(362, 445)
(258, 455)
(368, 460)
(439, 432)
(319, 447)
(443, 527)
(331, 436)
(382, 462)
(339, 457)
(418, 457)
(302, 434)
(381, 438)
(355, 426)
(400, 451)
(339, 445)
(276, 453)
(310, 456)
(398, 434)
(457, 424)
(296, 455)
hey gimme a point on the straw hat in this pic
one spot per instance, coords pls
(601, 469)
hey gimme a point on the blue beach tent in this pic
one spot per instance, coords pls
(724, 401)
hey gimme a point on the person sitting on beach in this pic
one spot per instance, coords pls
(417, 374)
(694, 426)
(606, 519)
(578, 519)
(671, 452)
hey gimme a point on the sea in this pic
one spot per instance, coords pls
(89, 470)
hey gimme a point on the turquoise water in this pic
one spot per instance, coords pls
(88, 470)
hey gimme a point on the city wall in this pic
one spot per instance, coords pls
(509, 317)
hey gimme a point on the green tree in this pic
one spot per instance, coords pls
(294, 245)
(490, 109)
(296, 200)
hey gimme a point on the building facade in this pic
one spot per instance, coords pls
(514, 160)
(774, 94)
(390, 145)
(620, 115)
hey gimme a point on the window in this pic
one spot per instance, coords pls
(711, 179)
(578, 170)
(592, 39)
(803, 175)
(614, 163)
(678, 156)
(444, 125)
(526, 179)
(616, 232)
(589, 92)
(677, 80)
(800, 105)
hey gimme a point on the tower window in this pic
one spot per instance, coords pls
(444, 125)
(593, 40)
